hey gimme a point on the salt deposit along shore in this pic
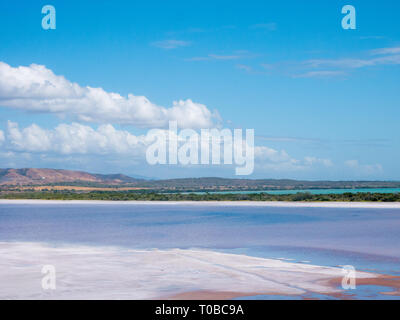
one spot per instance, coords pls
(84, 272)
(297, 204)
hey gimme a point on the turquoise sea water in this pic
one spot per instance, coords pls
(368, 239)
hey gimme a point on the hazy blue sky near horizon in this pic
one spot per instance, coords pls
(323, 101)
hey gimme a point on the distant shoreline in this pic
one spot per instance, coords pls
(296, 204)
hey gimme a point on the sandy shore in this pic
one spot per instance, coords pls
(374, 205)
(84, 272)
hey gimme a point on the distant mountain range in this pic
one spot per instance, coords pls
(40, 177)
(31, 176)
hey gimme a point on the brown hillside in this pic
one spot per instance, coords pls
(48, 176)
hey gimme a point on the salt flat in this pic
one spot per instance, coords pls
(91, 272)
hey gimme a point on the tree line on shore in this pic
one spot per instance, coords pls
(154, 196)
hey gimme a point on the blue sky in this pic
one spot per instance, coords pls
(323, 101)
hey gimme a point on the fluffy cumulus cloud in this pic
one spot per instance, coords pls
(72, 138)
(76, 139)
(36, 88)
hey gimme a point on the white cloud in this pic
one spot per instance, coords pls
(372, 37)
(383, 51)
(77, 139)
(388, 56)
(351, 163)
(313, 160)
(271, 159)
(240, 54)
(266, 154)
(340, 63)
(73, 138)
(170, 44)
(224, 57)
(36, 88)
(2, 138)
(364, 169)
(320, 74)
(244, 67)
